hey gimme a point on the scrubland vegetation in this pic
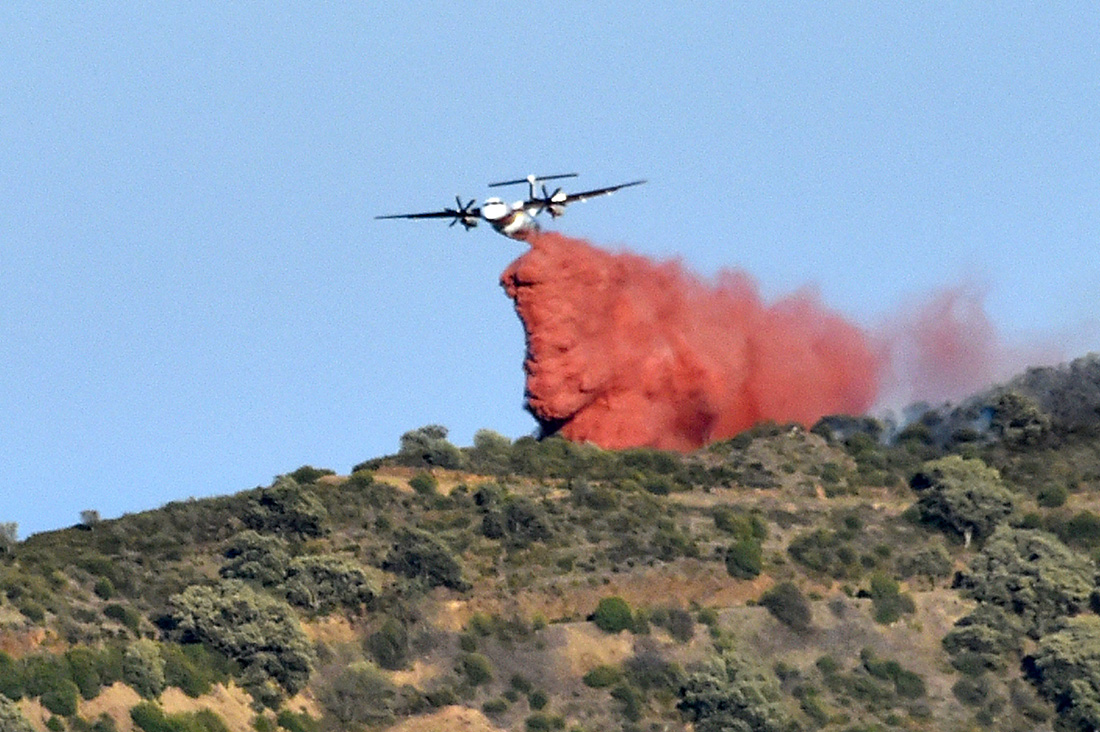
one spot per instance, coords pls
(861, 575)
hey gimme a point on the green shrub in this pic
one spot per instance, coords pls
(971, 692)
(323, 582)
(537, 700)
(104, 589)
(789, 606)
(602, 676)
(11, 678)
(191, 669)
(43, 673)
(633, 703)
(888, 601)
(476, 668)
(1032, 575)
(123, 614)
(647, 669)
(31, 610)
(680, 625)
(427, 447)
(254, 556)
(745, 559)
(613, 615)
(539, 722)
(419, 555)
(1082, 530)
(297, 721)
(361, 694)
(389, 645)
(741, 524)
(424, 483)
(1052, 495)
(151, 718)
(288, 508)
(826, 551)
(981, 640)
(962, 496)
(1066, 668)
(143, 668)
(734, 694)
(62, 699)
(933, 562)
(259, 632)
(495, 706)
(309, 474)
(84, 670)
(491, 453)
(907, 684)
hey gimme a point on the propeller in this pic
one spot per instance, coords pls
(464, 213)
(552, 202)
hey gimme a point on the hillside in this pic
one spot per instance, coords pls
(860, 575)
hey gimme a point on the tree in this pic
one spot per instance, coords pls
(254, 629)
(321, 583)
(286, 507)
(1031, 574)
(1066, 668)
(254, 556)
(525, 522)
(419, 555)
(963, 496)
(9, 535)
(491, 453)
(427, 447)
(733, 694)
(982, 639)
(1018, 420)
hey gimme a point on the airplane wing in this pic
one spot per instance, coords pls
(467, 214)
(585, 195)
(555, 203)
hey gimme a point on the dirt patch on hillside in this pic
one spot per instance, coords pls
(586, 646)
(446, 480)
(19, 643)
(330, 629)
(678, 585)
(574, 597)
(419, 674)
(115, 701)
(231, 703)
(451, 719)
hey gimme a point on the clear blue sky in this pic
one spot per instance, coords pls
(195, 297)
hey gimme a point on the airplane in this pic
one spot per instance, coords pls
(516, 220)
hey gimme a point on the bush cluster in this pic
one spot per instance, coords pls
(259, 632)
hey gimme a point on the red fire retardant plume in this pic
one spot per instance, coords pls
(623, 351)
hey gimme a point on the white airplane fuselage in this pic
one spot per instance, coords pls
(514, 221)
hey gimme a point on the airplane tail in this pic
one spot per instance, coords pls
(532, 181)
